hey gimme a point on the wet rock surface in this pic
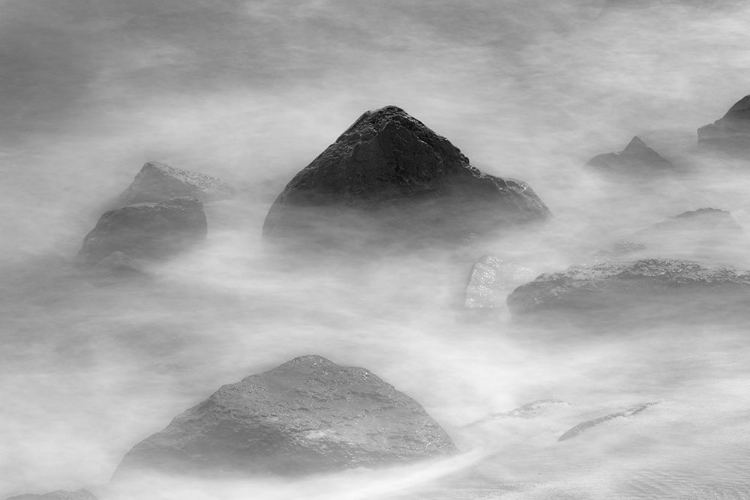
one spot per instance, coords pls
(149, 231)
(635, 292)
(731, 133)
(390, 179)
(306, 416)
(636, 158)
(589, 424)
(491, 279)
(160, 182)
(57, 495)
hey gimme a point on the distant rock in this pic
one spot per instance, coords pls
(150, 231)
(306, 416)
(640, 292)
(636, 158)
(57, 495)
(584, 426)
(529, 410)
(158, 182)
(731, 133)
(390, 179)
(490, 281)
(696, 231)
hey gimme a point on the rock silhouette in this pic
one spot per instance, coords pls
(57, 495)
(584, 426)
(389, 178)
(636, 158)
(158, 182)
(308, 415)
(731, 133)
(150, 231)
(643, 291)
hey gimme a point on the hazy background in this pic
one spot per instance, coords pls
(252, 91)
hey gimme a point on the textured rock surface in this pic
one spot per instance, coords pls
(490, 281)
(636, 158)
(639, 291)
(731, 132)
(306, 416)
(584, 426)
(389, 177)
(145, 231)
(159, 182)
(58, 495)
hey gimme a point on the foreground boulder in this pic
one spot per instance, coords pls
(589, 424)
(389, 178)
(636, 158)
(640, 292)
(57, 495)
(306, 416)
(731, 133)
(149, 231)
(159, 182)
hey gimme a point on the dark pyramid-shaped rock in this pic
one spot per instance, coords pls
(159, 182)
(306, 416)
(636, 158)
(390, 178)
(731, 133)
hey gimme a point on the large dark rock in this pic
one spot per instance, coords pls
(159, 182)
(731, 133)
(389, 178)
(306, 416)
(57, 495)
(637, 158)
(589, 424)
(150, 231)
(640, 292)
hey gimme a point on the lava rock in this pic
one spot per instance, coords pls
(57, 495)
(584, 426)
(149, 231)
(159, 182)
(636, 158)
(731, 133)
(390, 179)
(308, 415)
(641, 292)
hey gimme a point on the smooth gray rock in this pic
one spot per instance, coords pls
(158, 182)
(584, 426)
(306, 416)
(148, 231)
(635, 292)
(57, 495)
(388, 179)
(731, 133)
(637, 158)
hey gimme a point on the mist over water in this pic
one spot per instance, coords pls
(252, 91)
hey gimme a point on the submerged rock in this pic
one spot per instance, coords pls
(57, 495)
(643, 291)
(306, 416)
(150, 231)
(731, 133)
(636, 158)
(584, 426)
(490, 281)
(529, 410)
(702, 231)
(159, 182)
(390, 179)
